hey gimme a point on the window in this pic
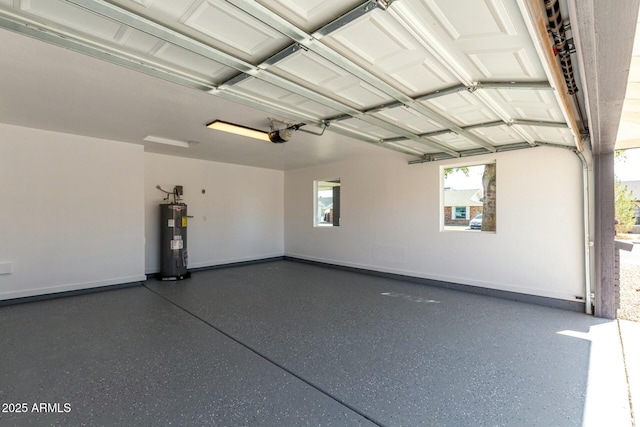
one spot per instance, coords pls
(469, 197)
(460, 212)
(327, 203)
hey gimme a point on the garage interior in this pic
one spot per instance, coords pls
(357, 320)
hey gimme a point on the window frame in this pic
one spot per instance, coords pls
(316, 215)
(442, 217)
(454, 212)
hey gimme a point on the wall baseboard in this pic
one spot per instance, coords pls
(225, 265)
(64, 294)
(508, 295)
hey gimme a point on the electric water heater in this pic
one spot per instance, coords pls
(173, 241)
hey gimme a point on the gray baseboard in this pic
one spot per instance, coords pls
(65, 294)
(578, 306)
(228, 265)
(513, 296)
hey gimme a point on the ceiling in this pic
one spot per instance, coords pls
(417, 79)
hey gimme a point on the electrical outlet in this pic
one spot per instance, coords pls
(179, 189)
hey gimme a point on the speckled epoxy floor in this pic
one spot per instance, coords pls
(288, 344)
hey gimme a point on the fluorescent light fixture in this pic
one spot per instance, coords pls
(166, 141)
(239, 130)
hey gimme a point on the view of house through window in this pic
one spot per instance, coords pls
(327, 203)
(469, 201)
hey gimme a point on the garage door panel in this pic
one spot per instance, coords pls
(383, 46)
(314, 72)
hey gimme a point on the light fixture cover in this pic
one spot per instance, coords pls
(239, 130)
(167, 141)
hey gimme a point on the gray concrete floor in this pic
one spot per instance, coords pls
(290, 344)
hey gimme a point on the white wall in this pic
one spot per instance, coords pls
(77, 212)
(238, 218)
(390, 221)
(72, 212)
